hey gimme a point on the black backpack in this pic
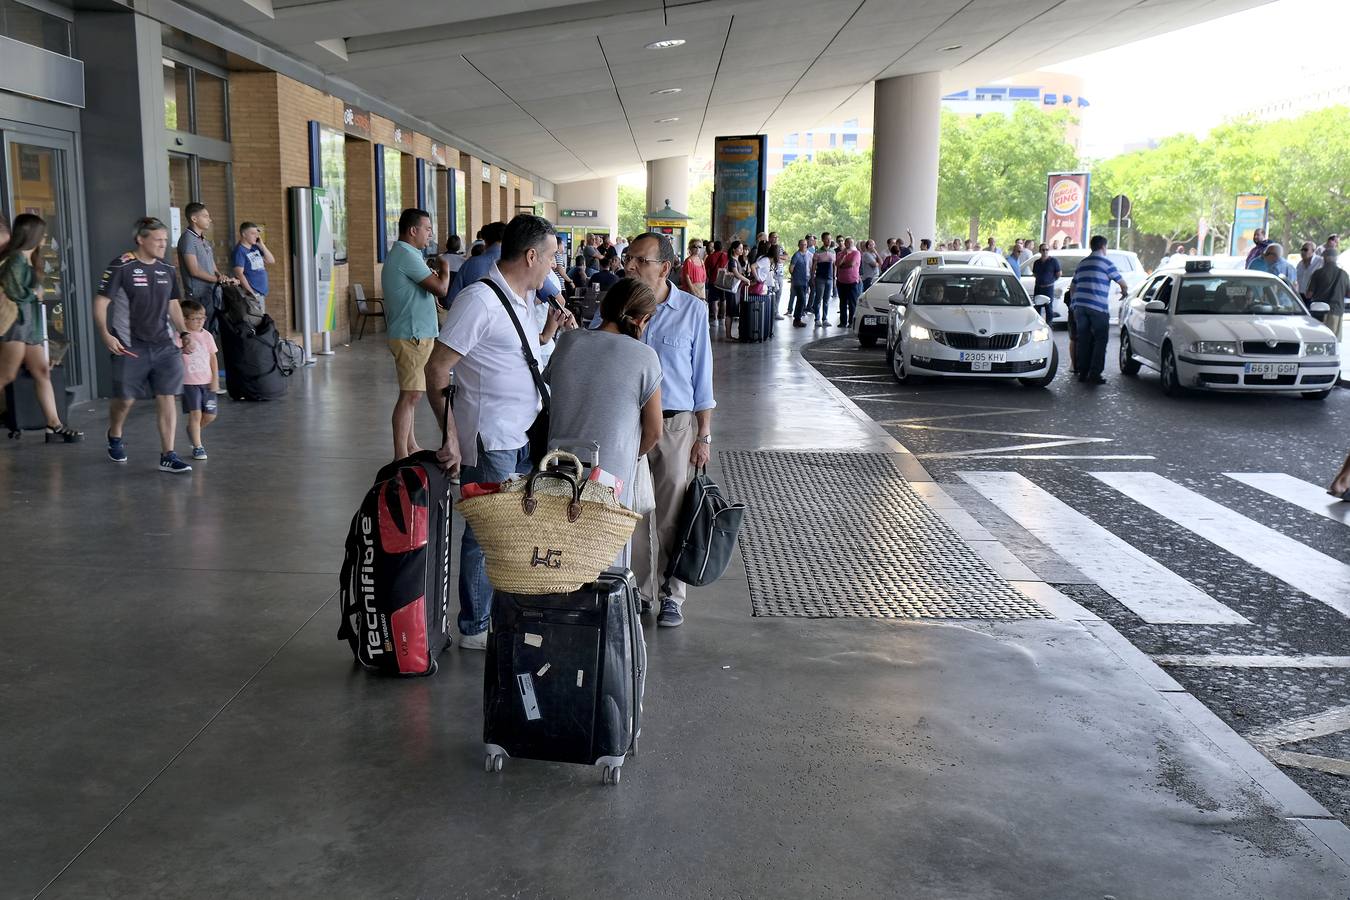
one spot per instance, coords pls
(709, 524)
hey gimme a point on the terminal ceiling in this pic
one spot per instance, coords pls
(567, 91)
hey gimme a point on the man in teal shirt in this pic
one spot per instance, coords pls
(410, 286)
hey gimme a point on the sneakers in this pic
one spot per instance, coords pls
(168, 462)
(199, 453)
(473, 641)
(117, 449)
(670, 617)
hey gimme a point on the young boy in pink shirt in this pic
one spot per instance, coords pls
(201, 376)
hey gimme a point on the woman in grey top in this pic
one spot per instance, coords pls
(606, 384)
(870, 264)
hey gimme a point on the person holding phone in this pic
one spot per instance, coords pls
(140, 321)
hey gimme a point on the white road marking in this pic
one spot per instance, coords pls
(1060, 456)
(1311, 497)
(1222, 661)
(1269, 740)
(1029, 434)
(1319, 576)
(1037, 445)
(1153, 592)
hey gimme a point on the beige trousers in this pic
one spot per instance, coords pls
(655, 536)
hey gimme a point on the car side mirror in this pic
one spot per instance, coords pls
(1319, 307)
(1040, 300)
(897, 299)
(1155, 306)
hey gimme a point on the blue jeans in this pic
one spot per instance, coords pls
(475, 591)
(800, 293)
(848, 302)
(822, 291)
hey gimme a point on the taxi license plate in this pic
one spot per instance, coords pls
(1271, 370)
(983, 360)
(871, 320)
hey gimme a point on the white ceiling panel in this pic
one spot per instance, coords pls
(534, 81)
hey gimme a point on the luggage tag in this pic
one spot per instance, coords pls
(526, 686)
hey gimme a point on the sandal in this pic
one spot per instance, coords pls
(64, 433)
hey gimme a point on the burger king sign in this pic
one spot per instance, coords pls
(1066, 207)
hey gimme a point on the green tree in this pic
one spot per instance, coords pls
(830, 193)
(700, 209)
(992, 168)
(632, 210)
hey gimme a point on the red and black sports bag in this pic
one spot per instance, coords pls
(395, 581)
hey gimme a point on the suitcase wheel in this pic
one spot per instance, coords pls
(493, 762)
(611, 775)
(15, 434)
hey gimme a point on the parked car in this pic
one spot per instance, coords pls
(1125, 260)
(874, 308)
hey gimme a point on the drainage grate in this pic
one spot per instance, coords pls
(843, 534)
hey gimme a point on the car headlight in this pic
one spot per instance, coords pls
(1040, 334)
(1223, 347)
(1320, 348)
(919, 333)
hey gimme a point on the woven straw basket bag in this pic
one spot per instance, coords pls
(550, 533)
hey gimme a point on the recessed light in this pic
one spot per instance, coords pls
(666, 44)
(665, 140)
(666, 91)
(949, 48)
(667, 120)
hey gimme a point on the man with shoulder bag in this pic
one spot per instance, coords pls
(490, 342)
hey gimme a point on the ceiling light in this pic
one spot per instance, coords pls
(949, 48)
(666, 91)
(665, 140)
(666, 44)
(667, 120)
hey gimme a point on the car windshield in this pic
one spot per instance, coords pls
(899, 273)
(943, 289)
(1237, 295)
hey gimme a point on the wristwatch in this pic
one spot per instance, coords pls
(705, 439)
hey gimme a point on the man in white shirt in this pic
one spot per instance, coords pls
(496, 400)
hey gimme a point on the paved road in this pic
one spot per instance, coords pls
(1246, 579)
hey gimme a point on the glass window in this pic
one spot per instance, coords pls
(333, 171)
(177, 97)
(1237, 295)
(432, 206)
(213, 189)
(208, 105)
(461, 221)
(33, 26)
(393, 194)
(180, 192)
(970, 290)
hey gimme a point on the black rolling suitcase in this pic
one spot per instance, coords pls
(22, 410)
(395, 580)
(257, 359)
(564, 676)
(753, 313)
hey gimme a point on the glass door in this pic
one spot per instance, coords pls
(38, 179)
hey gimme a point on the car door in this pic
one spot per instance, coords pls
(1154, 325)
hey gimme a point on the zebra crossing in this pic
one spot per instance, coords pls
(1147, 587)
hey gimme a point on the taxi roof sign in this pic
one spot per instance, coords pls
(932, 261)
(1199, 265)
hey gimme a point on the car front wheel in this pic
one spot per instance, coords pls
(1049, 376)
(897, 361)
(1171, 381)
(1128, 364)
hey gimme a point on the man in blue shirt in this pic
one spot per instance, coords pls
(800, 271)
(678, 332)
(1045, 271)
(250, 260)
(1091, 293)
(476, 268)
(410, 287)
(1272, 260)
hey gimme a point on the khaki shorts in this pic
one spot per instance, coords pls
(410, 360)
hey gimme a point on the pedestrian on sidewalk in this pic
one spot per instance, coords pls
(847, 273)
(140, 321)
(1259, 242)
(21, 342)
(411, 287)
(693, 275)
(869, 265)
(611, 362)
(475, 268)
(1045, 272)
(497, 400)
(736, 265)
(250, 260)
(678, 332)
(1330, 285)
(1309, 261)
(1091, 292)
(201, 376)
(197, 260)
(800, 272)
(717, 298)
(822, 284)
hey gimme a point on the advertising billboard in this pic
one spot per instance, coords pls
(1249, 213)
(1066, 208)
(738, 187)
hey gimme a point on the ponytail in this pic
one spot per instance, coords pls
(626, 302)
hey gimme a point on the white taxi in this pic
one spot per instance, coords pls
(1126, 262)
(874, 306)
(1227, 330)
(968, 322)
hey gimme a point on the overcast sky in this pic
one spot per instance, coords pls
(1191, 80)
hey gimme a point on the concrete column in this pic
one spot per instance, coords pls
(905, 132)
(668, 179)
